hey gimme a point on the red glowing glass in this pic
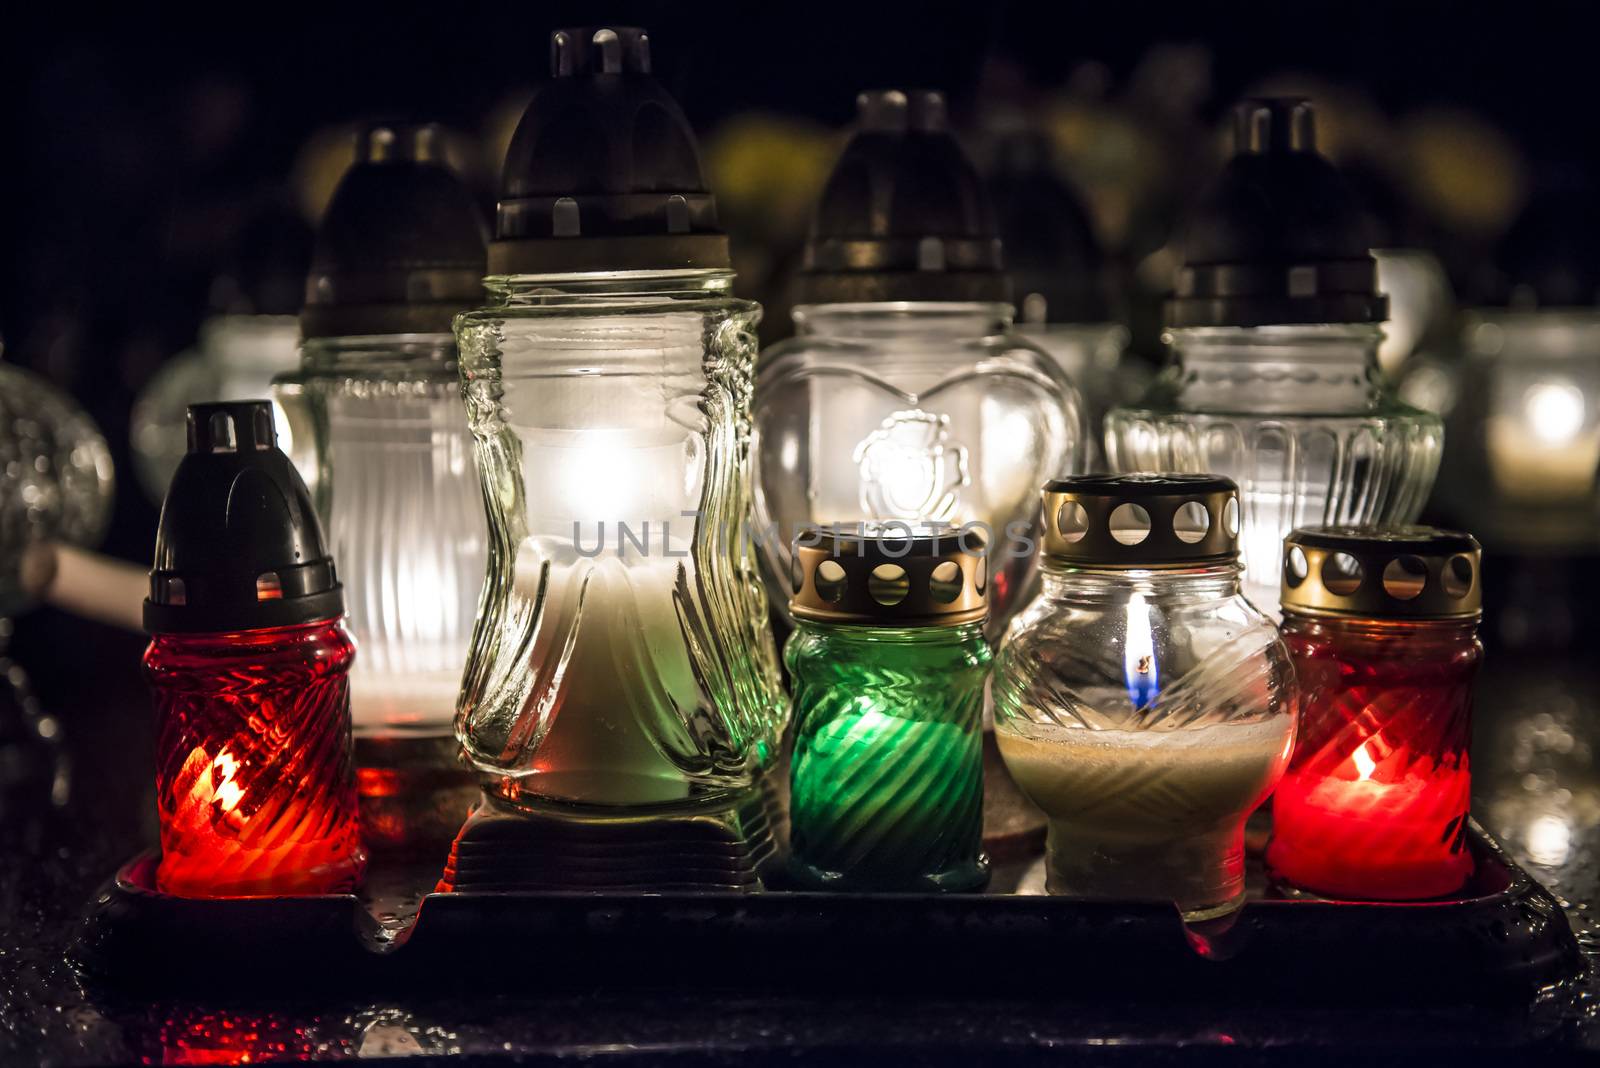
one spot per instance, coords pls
(1376, 799)
(254, 781)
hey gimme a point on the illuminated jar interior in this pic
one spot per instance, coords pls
(888, 663)
(622, 655)
(905, 395)
(384, 442)
(1140, 700)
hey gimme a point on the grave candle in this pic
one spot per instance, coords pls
(1382, 628)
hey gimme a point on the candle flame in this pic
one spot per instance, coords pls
(1139, 655)
(1365, 765)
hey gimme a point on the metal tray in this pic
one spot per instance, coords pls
(1503, 936)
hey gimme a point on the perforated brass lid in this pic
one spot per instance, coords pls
(1382, 573)
(889, 577)
(1139, 522)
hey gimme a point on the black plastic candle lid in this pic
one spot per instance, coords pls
(1279, 239)
(904, 215)
(400, 249)
(603, 172)
(239, 546)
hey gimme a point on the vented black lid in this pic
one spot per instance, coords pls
(1279, 239)
(603, 173)
(1051, 254)
(239, 546)
(401, 247)
(904, 215)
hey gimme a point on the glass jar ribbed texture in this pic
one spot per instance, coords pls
(886, 785)
(385, 448)
(1299, 417)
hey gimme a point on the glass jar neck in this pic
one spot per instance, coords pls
(1407, 635)
(1329, 367)
(902, 319)
(950, 634)
(1084, 584)
(608, 289)
(387, 352)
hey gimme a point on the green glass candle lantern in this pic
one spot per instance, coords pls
(888, 662)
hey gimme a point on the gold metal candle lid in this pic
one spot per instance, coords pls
(1385, 573)
(887, 577)
(1140, 522)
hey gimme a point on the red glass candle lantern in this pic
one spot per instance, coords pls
(248, 661)
(1382, 626)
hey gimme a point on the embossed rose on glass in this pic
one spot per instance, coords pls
(1274, 380)
(905, 395)
(622, 656)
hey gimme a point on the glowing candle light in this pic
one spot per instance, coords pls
(1375, 802)
(1139, 658)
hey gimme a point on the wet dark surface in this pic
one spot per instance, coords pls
(74, 808)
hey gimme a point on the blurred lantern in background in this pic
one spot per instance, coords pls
(1274, 331)
(1522, 409)
(906, 397)
(383, 439)
(1058, 278)
(251, 335)
(55, 487)
(55, 478)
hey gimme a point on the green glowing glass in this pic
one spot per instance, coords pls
(887, 778)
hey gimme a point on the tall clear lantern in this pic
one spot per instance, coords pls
(906, 398)
(1274, 378)
(623, 659)
(384, 442)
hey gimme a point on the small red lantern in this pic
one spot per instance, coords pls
(249, 661)
(1382, 626)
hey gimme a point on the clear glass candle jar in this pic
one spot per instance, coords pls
(1274, 379)
(383, 438)
(1140, 700)
(1299, 417)
(398, 492)
(1382, 626)
(623, 654)
(905, 394)
(889, 664)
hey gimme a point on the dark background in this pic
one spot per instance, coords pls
(141, 145)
